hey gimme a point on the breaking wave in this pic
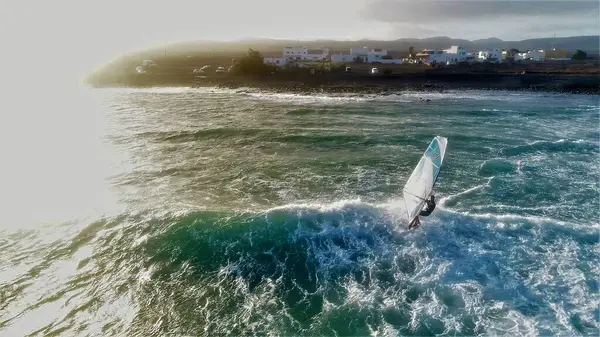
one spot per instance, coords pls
(561, 145)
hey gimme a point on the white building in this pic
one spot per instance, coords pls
(452, 55)
(360, 51)
(455, 54)
(436, 56)
(367, 55)
(305, 54)
(294, 51)
(343, 58)
(534, 55)
(291, 54)
(494, 55)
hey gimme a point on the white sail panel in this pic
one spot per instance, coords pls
(420, 184)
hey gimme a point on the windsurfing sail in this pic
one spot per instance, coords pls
(420, 184)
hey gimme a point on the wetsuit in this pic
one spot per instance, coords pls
(429, 208)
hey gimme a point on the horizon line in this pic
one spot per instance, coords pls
(245, 39)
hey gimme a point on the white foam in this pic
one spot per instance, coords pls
(300, 98)
(517, 208)
(319, 206)
(515, 217)
(513, 323)
(399, 97)
(497, 110)
(520, 165)
(154, 90)
(559, 141)
(468, 191)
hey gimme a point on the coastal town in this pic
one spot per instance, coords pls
(453, 55)
(306, 57)
(355, 68)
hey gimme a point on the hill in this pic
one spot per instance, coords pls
(590, 44)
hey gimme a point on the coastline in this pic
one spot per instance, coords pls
(588, 84)
(577, 77)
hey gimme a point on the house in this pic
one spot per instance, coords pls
(343, 58)
(455, 54)
(367, 55)
(533, 55)
(438, 56)
(355, 54)
(295, 54)
(452, 55)
(305, 54)
(424, 54)
(427, 56)
(471, 58)
(495, 55)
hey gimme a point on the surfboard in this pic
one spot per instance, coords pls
(420, 184)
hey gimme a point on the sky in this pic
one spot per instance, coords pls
(74, 36)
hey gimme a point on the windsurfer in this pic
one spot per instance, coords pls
(429, 207)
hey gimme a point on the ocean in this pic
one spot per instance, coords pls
(204, 212)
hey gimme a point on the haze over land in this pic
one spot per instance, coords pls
(590, 44)
(65, 39)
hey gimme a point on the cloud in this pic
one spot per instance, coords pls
(412, 30)
(436, 11)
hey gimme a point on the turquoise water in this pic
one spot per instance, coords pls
(204, 212)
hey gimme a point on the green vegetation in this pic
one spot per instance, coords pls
(579, 55)
(251, 64)
(323, 66)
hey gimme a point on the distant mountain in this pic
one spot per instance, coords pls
(491, 40)
(590, 44)
(586, 43)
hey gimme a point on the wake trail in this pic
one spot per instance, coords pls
(444, 200)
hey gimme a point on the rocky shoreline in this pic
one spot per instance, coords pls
(384, 86)
(356, 84)
(384, 89)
